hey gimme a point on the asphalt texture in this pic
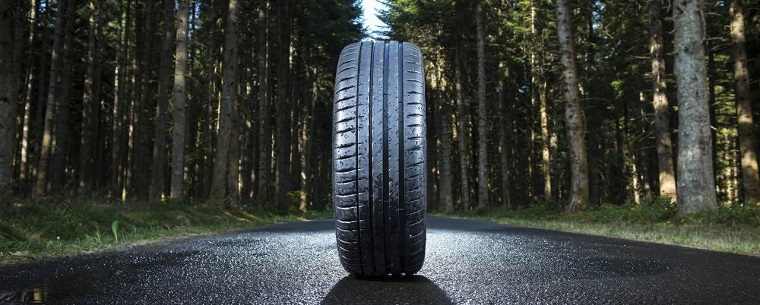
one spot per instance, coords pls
(467, 262)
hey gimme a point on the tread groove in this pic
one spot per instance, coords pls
(379, 138)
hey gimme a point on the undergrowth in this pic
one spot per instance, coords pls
(34, 229)
(731, 229)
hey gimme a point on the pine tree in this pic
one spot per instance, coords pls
(574, 115)
(747, 145)
(226, 109)
(179, 107)
(696, 182)
(665, 165)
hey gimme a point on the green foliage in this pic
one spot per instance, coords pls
(732, 229)
(655, 211)
(115, 230)
(54, 228)
(733, 215)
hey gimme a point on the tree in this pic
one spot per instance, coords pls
(665, 165)
(62, 130)
(56, 63)
(445, 189)
(179, 108)
(696, 184)
(747, 146)
(462, 132)
(574, 115)
(229, 98)
(538, 92)
(7, 97)
(482, 111)
(284, 183)
(89, 103)
(161, 136)
(265, 128)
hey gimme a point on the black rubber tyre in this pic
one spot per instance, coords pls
(379, 164)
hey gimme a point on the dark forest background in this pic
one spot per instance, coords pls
(230, 101)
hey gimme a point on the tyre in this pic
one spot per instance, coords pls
(379, 166)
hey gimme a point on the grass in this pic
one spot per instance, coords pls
(733, 229)
(35, 230)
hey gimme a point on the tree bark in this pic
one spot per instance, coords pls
(143, 109)
(177, 190)
(120, 103)
(265, 132)
(696, 184)
(447, 200)
(482, 111)
(539, 86)
(161, 135)
(7, 97)
(574, 114)
(229, 97)
(89, 105)
(749, 167)
(62, 130)
(462, 133)
(40, 186)
(666, 173)
(284, 183)
(505, 153)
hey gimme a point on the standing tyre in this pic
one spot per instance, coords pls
(379, 144)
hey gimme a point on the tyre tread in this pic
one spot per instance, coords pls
(379, 158)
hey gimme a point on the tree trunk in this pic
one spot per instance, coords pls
(31, 104)
(546, 146)
(462, 133)
(7, 97)
(161, 135)
(538, 91)
(504, 143)
(229, 97)
(62, 129)
(482, 111)
(89, 105)
(40, 186)
(749, 167)
(696, 184)
(43, 82)
(233, 157)
(447, 200)
(284, 183)
(667, 178)
(143, 109)
(574, 115)
(265, 133)
(179, 108)
(118, 149)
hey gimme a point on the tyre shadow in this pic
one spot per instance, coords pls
(415, 289)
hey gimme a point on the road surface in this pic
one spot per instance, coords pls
(468, 262)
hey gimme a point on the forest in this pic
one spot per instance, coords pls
(585, 103)
(148, 101)
(570, 103)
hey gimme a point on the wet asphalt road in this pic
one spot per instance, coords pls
(468, 262)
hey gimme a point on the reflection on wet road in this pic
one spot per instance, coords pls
(468, 262)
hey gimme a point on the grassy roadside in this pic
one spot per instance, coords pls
(36, 230)
(735, 229)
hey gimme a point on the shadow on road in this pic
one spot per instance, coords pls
(414, 289)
